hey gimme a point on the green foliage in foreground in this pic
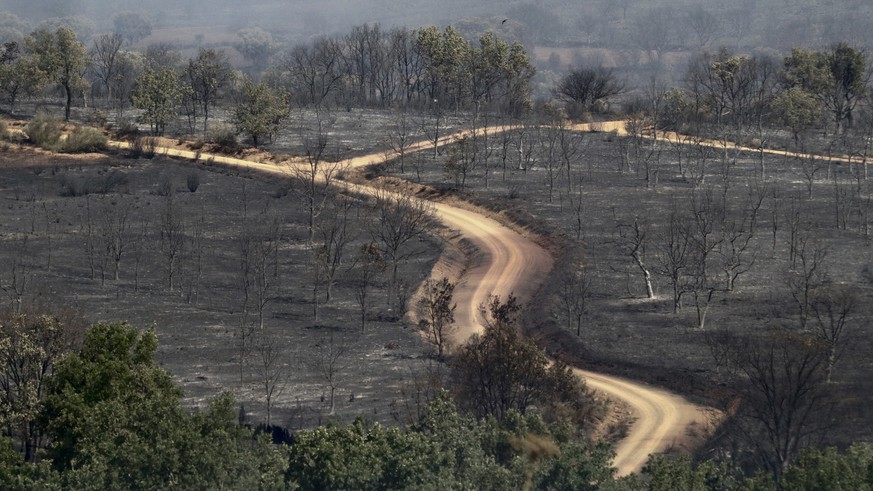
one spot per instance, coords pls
(115, 421)
(47, 132)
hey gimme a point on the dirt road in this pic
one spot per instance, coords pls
(512, 263)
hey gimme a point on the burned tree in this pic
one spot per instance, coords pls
(171, 240)
(633, 238)
(575, 289)
(368, 264)
(833, 307)
(400, 222)
(317, 171)
(438, 313)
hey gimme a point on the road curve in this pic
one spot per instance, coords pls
(509, 262)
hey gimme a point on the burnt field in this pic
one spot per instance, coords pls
(767, 221)
(227, 238)
(786, 245)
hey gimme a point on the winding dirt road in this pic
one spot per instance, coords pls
(509, 262)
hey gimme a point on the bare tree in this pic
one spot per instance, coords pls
(584, 87)
(272, 369)
(525, 146)
(192, 265)
(570, 148)
(401, 221)
(20, 274)
(704, 24)
(577, 205)
(317, 172)
(104, 56)
(736, 253)
(90, 238)
(265, 257)
(784, 400)
(115, 230)
(431, 128)
(171, 239)
(810, 166)
(400, 137)
(805, 279)
(139, 247)
(438, 313)
(707, 220)
(368, 264)
(576, 286)
(633, 238)
(833, 306)
(334, 235)
(673, 255)
(549, 149)
(259, 251)
(330, 363)
(462, 160)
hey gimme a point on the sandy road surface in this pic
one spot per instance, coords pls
(513, 263)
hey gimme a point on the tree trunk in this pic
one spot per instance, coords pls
(647, 276)
(68, 90)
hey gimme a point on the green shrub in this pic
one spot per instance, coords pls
(83, 139)
(127, 130)
(44, 131)
(224, 137)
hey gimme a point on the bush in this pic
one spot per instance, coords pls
(105, 183)
(97, 118)
(165, 186)
(225, 138)
(143, 146)
(72, 187)
(4, 130)
(197, 144)
(127, 130)
(282, 190)
(83, 139)
(44, 131)
(193, 181)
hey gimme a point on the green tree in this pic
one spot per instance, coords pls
(157, 94)
(829, 469)
(60, 55)
(447, 60)
(260, 111)
(207, 75)
(837, 77)
(579, 466)
(797, 110)
(19, 74)
(500, 370)
(115, 422)
(668, 473)
(29, 346)
(444, 450)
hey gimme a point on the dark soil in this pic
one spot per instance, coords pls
(627, 334)
(46, 199)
